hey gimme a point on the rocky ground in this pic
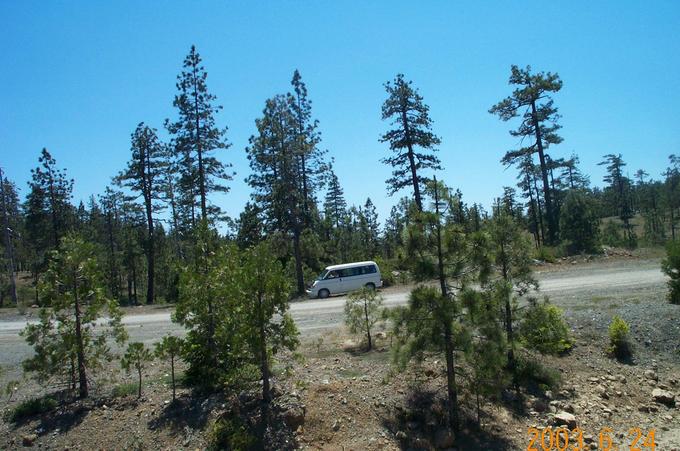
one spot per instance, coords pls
(337, 397)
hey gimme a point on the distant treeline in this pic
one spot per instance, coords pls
(143, 224)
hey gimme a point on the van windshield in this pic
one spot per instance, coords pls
(322, 275)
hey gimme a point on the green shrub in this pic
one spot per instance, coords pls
(546, 254)
(532, 373)
(229, 432)
(611, 234)
(671, 266)
(619, 341)
(122, 390)
(579, 224)
(31, 408)
(544, 329)
(386, 271)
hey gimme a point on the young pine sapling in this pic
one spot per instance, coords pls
(136, 356)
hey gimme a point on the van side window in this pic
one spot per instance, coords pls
(368, 269)
(350, 272)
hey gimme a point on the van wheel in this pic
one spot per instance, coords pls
(370, 286)
(324, 293)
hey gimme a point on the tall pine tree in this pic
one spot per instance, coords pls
(196, 138)
(275, 177)
(144, 176)
(531, 100)
(412, 130)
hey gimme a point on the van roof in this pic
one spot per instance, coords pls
(350, 265)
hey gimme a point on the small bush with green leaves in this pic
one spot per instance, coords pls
(619, 340)
(529, 372)
(546, 254)
(123, 390)
(579, 223)
(386, 271)
(230, 432)
(671, 267)
(544, 329)
(31, 407)
(611, 234)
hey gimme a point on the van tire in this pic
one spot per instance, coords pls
(324, 293)
(370, 286)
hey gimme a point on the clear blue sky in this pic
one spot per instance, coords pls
(78, 76)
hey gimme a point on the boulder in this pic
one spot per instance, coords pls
(565, 418)
(663, 397)
(294, 417)
(29, 440)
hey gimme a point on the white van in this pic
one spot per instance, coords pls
(345, 278)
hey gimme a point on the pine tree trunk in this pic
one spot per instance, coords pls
(534, 216)
(411, 160)
(368, 326)
(540, 212)
(150, 255)
(199, 150)
(451, 378)
(264, 361)
(147, 189)
(440, 256)
(73, 372)
(82, 374)
(550, 214)
(139, 386)
(172, 375)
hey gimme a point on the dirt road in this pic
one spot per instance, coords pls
(564, 286)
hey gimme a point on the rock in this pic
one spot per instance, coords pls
(663, 397)
(336, 425)
(540, 405)
(443, 439)
(651, 375)
(349, 345)
(29, 440)
(294, 417)
(400, 435)
(565, 418)
(276, 391)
